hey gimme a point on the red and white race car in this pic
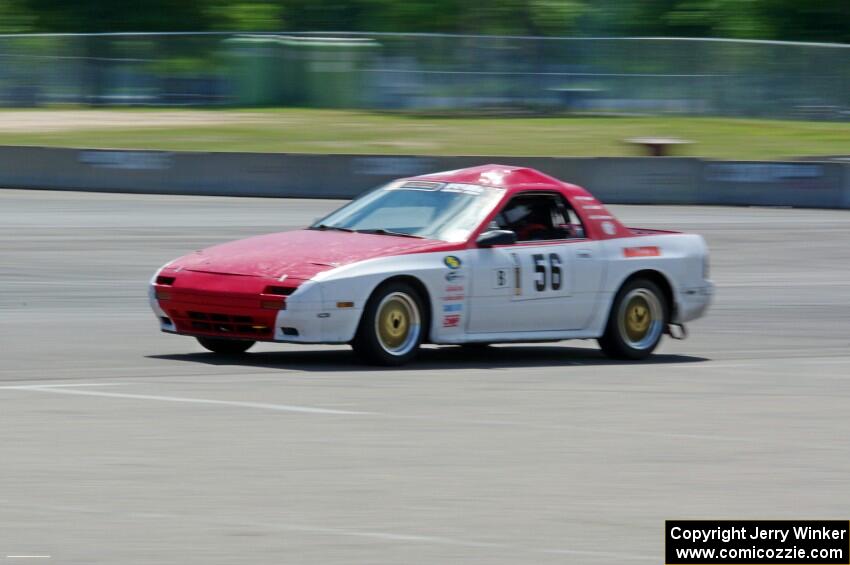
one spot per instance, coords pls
(473, 256)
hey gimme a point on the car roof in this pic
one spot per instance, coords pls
(598, 221)
(508, 177)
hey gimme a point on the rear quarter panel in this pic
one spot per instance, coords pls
(678, 257)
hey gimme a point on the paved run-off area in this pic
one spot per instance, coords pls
(119, 444)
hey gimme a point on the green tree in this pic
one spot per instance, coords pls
(810, 20)
(247, 16)
(800, 20)
(803, 20)
(110, 15)
(14, 18)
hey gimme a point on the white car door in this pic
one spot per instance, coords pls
(530, 287)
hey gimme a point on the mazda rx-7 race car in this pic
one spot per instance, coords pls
(473, 256)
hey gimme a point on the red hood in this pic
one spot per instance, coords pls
(299, 254)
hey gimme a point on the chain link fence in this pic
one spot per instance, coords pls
(430, 72)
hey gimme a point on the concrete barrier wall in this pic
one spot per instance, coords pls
(648, 180)
(819, 185)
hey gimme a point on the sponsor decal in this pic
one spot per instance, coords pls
(609, 228)
(453, 276)
(455, 288)
(593, 207)
(454, 298)
(451, 321)
(131, 160)
(452, 307)
(646, 251)
(763, 172)
(452, 262)
(495, 178)
(501, 278)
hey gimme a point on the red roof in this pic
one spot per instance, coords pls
(504, 176)
(599, 223)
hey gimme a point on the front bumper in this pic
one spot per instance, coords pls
(304, 317)
(308, 326)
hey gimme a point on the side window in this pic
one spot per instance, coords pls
(540, 217)
(571, 226)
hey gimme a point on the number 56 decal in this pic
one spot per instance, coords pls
(547, 272)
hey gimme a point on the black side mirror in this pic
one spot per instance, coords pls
(496, 237)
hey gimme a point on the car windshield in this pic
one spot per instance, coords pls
(433, 210)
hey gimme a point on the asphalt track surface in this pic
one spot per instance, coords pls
(122, 445)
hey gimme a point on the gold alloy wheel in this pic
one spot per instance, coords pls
(397, 323)
(638, 318)
(641, 318)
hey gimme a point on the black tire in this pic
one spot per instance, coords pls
(225, 346)
(392, 327)
(629, 334)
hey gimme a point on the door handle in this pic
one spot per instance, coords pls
(585, 253)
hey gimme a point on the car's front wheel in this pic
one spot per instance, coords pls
(225, 346)
(392, 326)
(637, 321)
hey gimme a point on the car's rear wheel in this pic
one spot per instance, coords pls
(225, 346)
(637, 321)
(392, 326)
